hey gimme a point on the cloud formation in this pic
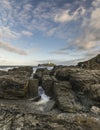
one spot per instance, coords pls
(6, 32)
(91, 26)
(74, 22)
(65, 16)
(27, 33)
(11, 48)
(89, 37)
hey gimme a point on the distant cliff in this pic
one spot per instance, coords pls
(93, 63)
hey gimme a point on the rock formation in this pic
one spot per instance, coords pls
(14, 83)
(74, 103)
(93, 63)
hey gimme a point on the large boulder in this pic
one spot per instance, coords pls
(11, 88)
(64, 73)
(47, 83)
(65, 97)
(85, 84)
(13, 83)
(88, 82)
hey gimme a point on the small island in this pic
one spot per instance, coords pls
(49, 64)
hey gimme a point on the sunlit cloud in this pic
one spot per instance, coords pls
(65, 16)
(89, 38)
(11, 48)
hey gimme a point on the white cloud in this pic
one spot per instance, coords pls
(6, 4)
(11, 48)
(64, 15)
(51, 31)
(27, 33)
(28, 7)
(91, 35)
(95, 18)
(6, 32)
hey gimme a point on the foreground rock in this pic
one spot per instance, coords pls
(14, 119)
(14, 83)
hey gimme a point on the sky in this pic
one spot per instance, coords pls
(38, 31)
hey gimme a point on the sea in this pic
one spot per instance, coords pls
(6, 68)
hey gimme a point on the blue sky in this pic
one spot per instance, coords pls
(39, 31)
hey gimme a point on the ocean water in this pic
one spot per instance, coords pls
(6, 68)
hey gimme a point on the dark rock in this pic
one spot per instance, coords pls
(93, 63)
(33, 88)
(14, 83)
(40, 72)
(65, 72)
(55, 69)
(87, 82)
(95, 92)
(11, 88)
(47, 83)
(65, 97)
(24, 68)
(3, 73)
(22, 71)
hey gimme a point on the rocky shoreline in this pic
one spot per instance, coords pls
(74, 103)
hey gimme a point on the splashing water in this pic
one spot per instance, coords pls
(44, 97)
